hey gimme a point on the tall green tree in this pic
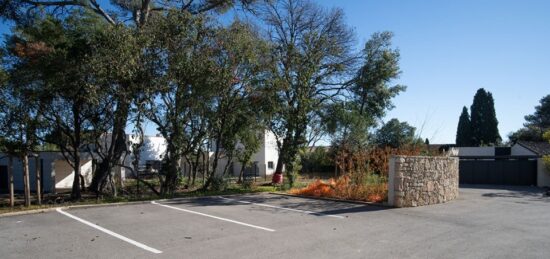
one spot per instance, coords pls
(117, 12)
(205, 80)
(483, 119)
(464, 129)
(19, 124)
(312, 49)
(125, 83)
(53, 57)
(370, 93)
(535, 124)
(540, 119)
(395, 134)
(239, 83)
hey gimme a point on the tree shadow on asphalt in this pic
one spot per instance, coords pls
(317, 206)
(530, 193)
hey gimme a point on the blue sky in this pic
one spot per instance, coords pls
(449, 49)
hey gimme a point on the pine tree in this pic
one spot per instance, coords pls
(464, 129)
(484, 123)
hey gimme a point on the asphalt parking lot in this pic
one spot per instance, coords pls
(482, 223)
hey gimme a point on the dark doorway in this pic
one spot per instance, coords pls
(4, 180)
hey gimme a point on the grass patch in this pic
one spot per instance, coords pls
(89, 199)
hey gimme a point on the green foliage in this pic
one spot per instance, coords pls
(546, 158)
(318, 160)
(535, 124)
(541, 117)
(370, 94)
(484, 122)
(218, 184)
(528, 133)
(464, 129)
(248, 183)
(395, 134)
(139, 12)
(311, 48)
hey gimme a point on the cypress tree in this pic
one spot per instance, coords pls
(484, 122)
(464, 129)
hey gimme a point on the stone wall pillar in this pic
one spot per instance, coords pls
(421, 180)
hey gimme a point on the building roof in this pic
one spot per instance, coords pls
(540, 148)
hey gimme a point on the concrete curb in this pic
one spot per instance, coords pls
(26, 212)
(44, 210)
(333, 199)
(83, 206)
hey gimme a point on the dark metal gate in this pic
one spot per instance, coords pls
(252, 170)
(498, 170)
(4, 180)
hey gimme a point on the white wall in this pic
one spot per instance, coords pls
(154, 148)
(266, 153)
(57, 173)
(519, 150)
(66, 182)
(271, 152)
(476, 151)
(543, 176)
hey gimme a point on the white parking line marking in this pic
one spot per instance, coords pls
(123, 238)
(214, 217)
(283, 208)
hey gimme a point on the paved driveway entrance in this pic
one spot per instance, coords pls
(482, 223)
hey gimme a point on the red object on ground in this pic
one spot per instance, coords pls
(277, 178)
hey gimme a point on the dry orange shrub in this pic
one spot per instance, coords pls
(378, 158)
(355, 167)
(343, 188)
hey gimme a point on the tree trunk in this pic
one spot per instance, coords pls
(241, 173)
(137, 154)
(171, 170)
(116, 149)
(195, 168)
(38, 180)
(10, 179)
(26, 181)
(280, 164)
(75, 193)
(214, 165)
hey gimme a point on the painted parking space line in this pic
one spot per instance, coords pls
(284, 208)
(121, 237)
(212, 216)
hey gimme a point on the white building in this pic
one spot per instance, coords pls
(263, 162)
(56, 174)
(151, 154)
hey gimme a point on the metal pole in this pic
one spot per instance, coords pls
(26, 181)
(10, 179)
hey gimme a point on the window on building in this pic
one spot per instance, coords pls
(153, 165)
(270, 165)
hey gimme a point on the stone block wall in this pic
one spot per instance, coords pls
(421, 180)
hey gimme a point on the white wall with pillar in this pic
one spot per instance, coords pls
(56, 173)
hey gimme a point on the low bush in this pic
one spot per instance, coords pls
(218, 184)
(372, 188)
